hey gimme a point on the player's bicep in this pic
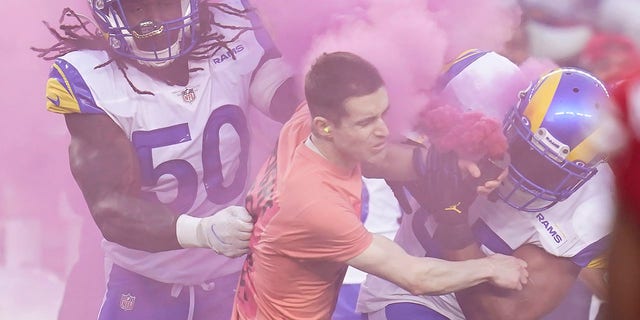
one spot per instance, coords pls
(550, 279)
(101, 157)
(549, 275)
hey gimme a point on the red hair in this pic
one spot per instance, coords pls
(471, 135)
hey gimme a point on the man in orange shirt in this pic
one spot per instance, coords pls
(306, 207)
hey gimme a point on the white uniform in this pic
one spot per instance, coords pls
(576, 228)
(381, 213)
(192, 142)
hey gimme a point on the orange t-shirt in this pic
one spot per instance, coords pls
(307, 224)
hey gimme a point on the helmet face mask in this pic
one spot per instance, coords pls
(551, 136)
(151, 41)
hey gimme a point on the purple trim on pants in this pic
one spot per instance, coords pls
(410, 311)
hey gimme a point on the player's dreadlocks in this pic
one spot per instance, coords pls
(76, 35)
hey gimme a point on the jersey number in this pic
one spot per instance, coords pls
(183, 171)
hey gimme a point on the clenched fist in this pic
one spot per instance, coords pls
(508, 272)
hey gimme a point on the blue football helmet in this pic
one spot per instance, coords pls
(553, 135)
(164, 41)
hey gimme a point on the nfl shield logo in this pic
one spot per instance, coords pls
(127, 301)
(188, 95)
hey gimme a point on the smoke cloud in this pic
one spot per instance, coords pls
(409, 40)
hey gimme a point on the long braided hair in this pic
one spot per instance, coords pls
(78, 32)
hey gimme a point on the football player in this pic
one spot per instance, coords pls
(553, 210)
(156, 103)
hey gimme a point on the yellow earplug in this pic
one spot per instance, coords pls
(326, 129)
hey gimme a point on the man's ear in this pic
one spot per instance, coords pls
(321, 127)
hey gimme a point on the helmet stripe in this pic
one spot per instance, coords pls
(585, 151)
(457, 65)
(540, 103)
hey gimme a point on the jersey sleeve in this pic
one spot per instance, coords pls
(272, 70)
(67, 91)
(593, 218)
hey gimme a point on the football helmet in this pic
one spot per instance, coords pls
(554, 134)
(164, 40)
(481, 81)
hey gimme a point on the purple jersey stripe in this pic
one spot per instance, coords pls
(78, 87)
(591, 252)
(364, 211)
(490, 239)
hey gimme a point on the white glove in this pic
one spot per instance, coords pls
(227, 232)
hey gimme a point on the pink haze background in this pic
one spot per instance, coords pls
(409, 41)
(34, 141)
(41, 209)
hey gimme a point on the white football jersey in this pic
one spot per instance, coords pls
(192, 141)
(576, 228)
(380, 214)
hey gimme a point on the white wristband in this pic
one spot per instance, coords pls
(187, 232)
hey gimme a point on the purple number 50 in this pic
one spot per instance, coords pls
(184, 172)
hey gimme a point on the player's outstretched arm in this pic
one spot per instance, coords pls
(106, 169)
(550, 278)
(430, 276)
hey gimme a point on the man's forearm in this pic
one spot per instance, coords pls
(474, 301)
(435, 276)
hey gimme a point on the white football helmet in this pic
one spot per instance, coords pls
(164, 40)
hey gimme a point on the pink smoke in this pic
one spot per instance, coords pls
(533, 68)
(35, 175)
(409, 41)
(41, 208)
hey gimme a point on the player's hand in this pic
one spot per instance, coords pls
(228, 231)
(450, 193)
(508, 272)
(487, 174)
(446, 192)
